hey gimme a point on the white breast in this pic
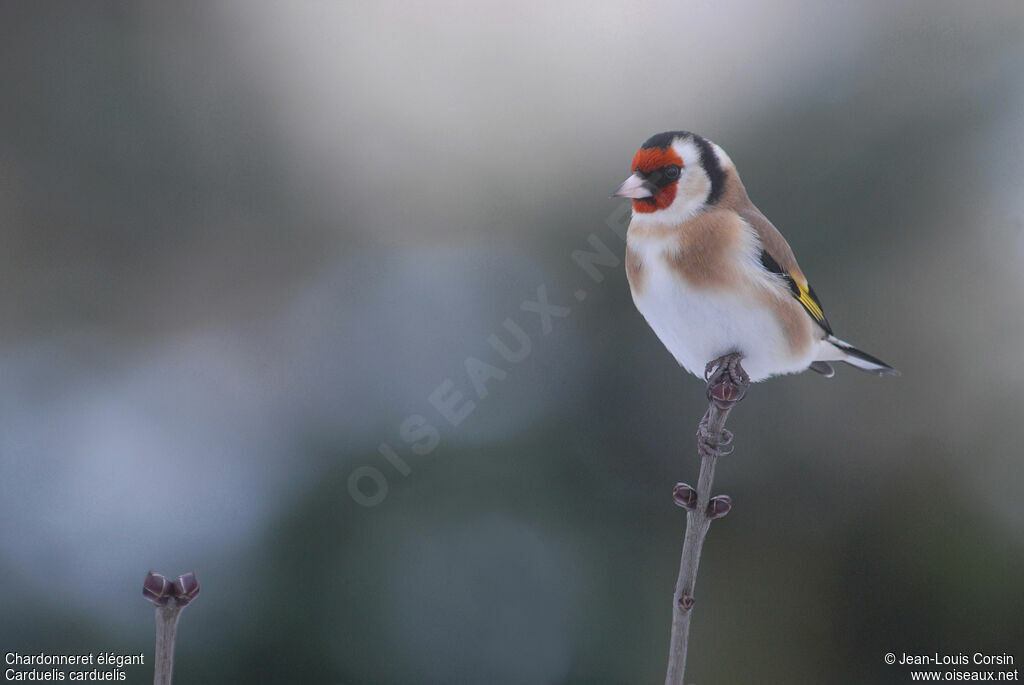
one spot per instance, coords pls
(698, 325)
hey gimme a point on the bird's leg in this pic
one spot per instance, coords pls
(727, 383)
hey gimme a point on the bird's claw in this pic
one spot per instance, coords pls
(727, 382)
(709, 445)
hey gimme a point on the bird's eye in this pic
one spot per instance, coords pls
(672, 173)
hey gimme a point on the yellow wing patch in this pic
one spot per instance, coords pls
(805, 295)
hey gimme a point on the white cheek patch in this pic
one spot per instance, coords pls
(694, 185)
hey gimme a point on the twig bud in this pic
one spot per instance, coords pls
(726, 393)
(684, 496)
(186, 587)
(157, 589)
(719, 506)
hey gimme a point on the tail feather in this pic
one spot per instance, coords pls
(860, 359)
(824, 368)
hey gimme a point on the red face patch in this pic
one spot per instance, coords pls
(647, 160)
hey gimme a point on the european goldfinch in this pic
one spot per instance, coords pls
(712, 276)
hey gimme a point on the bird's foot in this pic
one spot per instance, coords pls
(711, 445)
(727, 382)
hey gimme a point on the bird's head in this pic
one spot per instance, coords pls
(676, 174)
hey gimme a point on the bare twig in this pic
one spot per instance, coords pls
(169, 599)
(726, 385)
(166, 632)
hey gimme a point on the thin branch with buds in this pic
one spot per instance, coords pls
(727, 383)
(169, 598)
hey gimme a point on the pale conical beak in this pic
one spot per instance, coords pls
(636, 187)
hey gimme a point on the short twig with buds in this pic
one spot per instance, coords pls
(169, 598)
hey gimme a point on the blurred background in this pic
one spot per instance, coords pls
(245, 245)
